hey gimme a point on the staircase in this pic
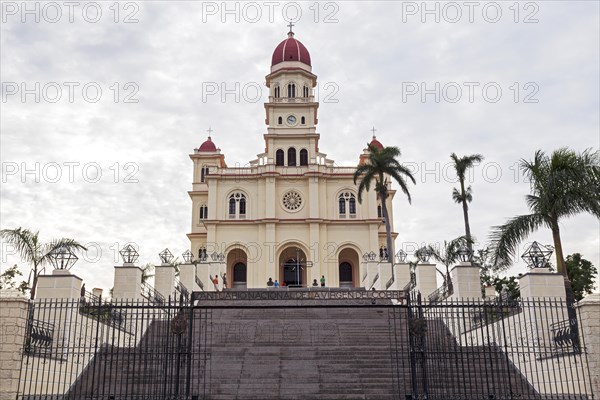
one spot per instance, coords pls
(339, 351)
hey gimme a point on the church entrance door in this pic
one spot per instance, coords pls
(239, 276)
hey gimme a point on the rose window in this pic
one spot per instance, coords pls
(292, 200)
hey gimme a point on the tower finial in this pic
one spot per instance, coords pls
(291, 33)
(210, 131)
(373, 130)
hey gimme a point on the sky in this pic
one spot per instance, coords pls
(102, 102)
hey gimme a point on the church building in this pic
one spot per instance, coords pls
(292, 215)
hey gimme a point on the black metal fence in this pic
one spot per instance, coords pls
(304, 344)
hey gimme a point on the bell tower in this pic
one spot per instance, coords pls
(291, 112)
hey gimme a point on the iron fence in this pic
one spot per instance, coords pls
(301, 343)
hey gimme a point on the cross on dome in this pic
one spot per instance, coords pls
(291, 33)
(210, 131)
(373, 130)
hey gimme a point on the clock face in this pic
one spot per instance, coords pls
(291, 119)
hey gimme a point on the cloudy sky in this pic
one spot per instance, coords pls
(102, 102)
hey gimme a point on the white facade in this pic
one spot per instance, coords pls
(292, 206)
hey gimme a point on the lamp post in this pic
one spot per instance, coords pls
(187, 256)
(465, 254)
(537, 255)
(166, 256)
(423, 254)
(129, 254)
(401, 256)
(63, 259)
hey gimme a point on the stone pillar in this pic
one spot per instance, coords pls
(187, 276)
(60, 285)
(589, 320)
(164, 280)
(385, 274)
(14, 312)
(540, 282)
(426, 279)
(466, 281)
(97, 292)
(203, 273)
(401, 276)
(128, 282)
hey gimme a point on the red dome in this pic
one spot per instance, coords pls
(208, 146)
(290, 50)
(376, 143)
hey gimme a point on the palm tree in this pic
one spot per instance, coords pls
(37, 254)
(448, 254)
(381, 164)
(562, 185)
(464, 196)
(147, 272)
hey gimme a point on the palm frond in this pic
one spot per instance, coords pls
(505, 238)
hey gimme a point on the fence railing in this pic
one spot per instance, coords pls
(442, 293)
(40, 336)
(565, 335)
(180, 289)
(149, 293)
(94, 307)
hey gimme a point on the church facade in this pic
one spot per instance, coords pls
(292, 215)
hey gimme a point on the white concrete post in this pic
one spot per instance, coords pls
(384, 269)
(203, 272)
(426, 279)
(60, 285)
(164, 280)
(401, 276)
(540, 282)
(128, 282)
(187, 276)
(589, 313)
(490, 292)
(466, 281)
(97, 292)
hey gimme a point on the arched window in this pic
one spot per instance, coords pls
(303, 157)
(203, 172)
(232, 207)
(277, 92)
(352, 205)
(279, 155)
(203, 212)
(280, 120)
(291, 90)
(305, 91)
(347, 201)
(303, 120)
(243, 207)
(237, 206)
(342, 207)
(292, 157)
(379, 211)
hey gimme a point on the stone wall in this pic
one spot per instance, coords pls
(13, 321)
(589, 312)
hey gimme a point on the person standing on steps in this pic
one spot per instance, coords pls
(322, 280)
(224, 281)
(276, 284)
(216, 282)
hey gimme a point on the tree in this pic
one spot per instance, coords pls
(147, 272)
(37, 254)
(381, 164)
(448, 254)
(464, 196)
(581, 273)
(562, 185)
(8, 280)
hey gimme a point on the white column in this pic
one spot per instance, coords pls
(401, 276)
(187, 276)
(60, 285)
(385, 274)
(164, 280)
(466, 281)
(589, 313)
(426, 280)
(540, 282)
(127, 283)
